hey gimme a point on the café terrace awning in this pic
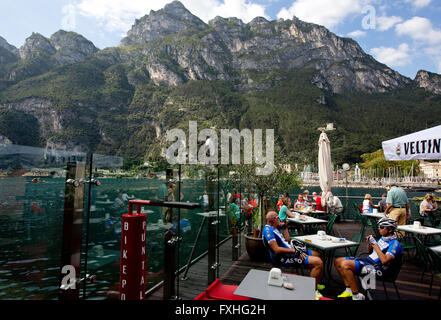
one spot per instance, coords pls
(421, 145)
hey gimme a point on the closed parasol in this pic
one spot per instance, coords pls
(325, 171)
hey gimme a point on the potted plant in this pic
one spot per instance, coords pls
(266, 187)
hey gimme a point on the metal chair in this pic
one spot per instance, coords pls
(277, 265)
(330, 224)
(424, 256)
(388, 275)
(436, 269)
(407, 243)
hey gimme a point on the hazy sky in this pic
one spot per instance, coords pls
(404, 34)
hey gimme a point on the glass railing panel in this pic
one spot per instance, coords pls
(32, 196)
(194, 236)
(109, 201)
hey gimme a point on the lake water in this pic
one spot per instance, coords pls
(31, 220)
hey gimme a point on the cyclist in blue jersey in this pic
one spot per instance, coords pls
(285, 254)
(382, 254)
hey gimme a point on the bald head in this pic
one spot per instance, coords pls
(271, 218)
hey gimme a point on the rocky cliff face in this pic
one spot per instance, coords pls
(36, 45)
(8, 53)
(229, 49)
(71, 47)
(65, 47)
(172, 19)
(52, 123)
(121, 99)
(40, 54)
(429, 81)
(4, 44)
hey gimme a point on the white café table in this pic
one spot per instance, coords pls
(101, 203)
(423, 231)
(327, 247)
(426, 231)
(159, 226)
(436, 249)
(211, 214)
(308, 220)
(377, 215)
(255, 285)
(332, 243)
(312, 212)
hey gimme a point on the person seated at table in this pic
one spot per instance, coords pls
(300, 202)
(318, 202)
(306, 197)
(382, 203)
(337, 206)
(234, 211)
(427, 206)
(279, 202)
(119, 202)
(284, 213)
(284, 254)
(382, 254)
(368, 205)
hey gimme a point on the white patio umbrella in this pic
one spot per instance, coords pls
(326, 173)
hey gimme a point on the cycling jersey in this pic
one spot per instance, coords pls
(388, 245)
(287, 259)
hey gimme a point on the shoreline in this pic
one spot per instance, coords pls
(366, 185)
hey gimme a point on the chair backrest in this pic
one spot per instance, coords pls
(356, 238)
(422, 250)
(436, 260)
(391, 273)
(268, 251)
(374, 227)
(330, 223)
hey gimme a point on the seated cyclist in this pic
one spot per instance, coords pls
(382, 253)
(286, 254)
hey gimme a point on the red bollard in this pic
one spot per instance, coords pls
(132, 263)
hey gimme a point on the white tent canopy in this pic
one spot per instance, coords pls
(421, 145)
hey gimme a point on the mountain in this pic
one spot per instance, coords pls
(173, 39)
(8, 53)
(429, 81)
(292, 76)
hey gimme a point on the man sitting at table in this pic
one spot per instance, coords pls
(285, 254)
(300, 202)
(382, 254)
(306, 197)
(382, 203)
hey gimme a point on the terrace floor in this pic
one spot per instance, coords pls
(232, 272)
